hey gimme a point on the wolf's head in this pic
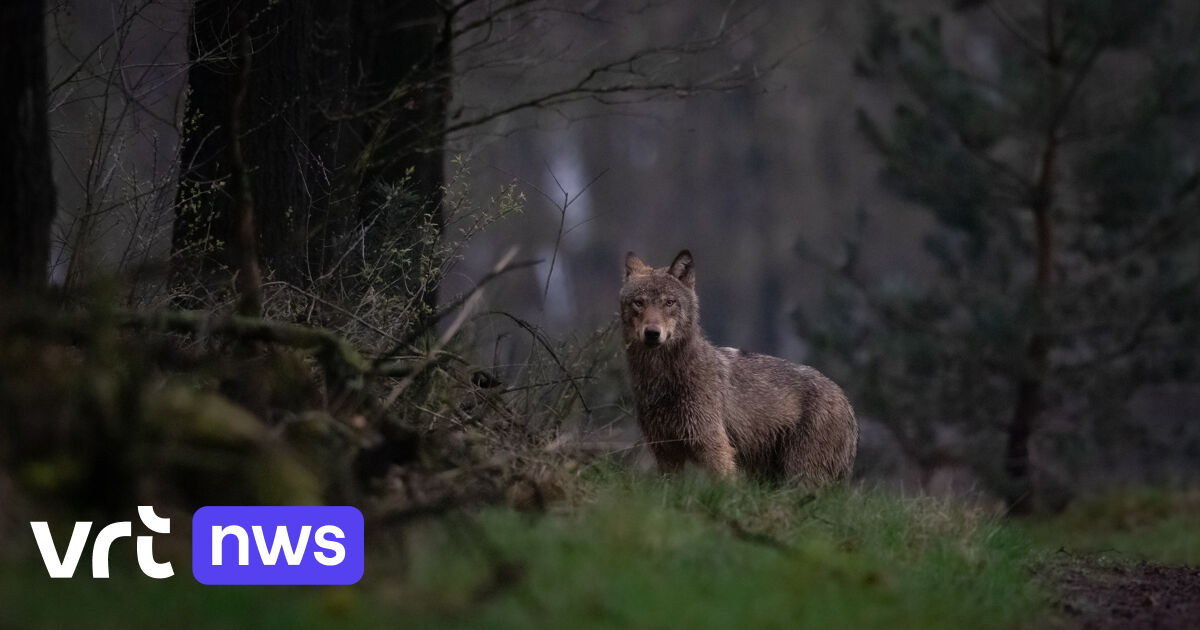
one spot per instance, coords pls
(659, 306)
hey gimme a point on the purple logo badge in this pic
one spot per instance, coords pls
(277, 545)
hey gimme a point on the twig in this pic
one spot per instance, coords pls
(562, 220)
(411, 338)
(249, 277)
(532, 330)
(445, 337)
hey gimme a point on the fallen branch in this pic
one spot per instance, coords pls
(340, 359)
(344, 365)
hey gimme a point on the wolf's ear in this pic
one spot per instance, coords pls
(634, 266)
(684, 269)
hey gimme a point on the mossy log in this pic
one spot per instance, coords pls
(342, 362)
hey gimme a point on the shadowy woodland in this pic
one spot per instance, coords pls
(367, 252)
(237, 294)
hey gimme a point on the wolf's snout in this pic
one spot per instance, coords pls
(653, 336)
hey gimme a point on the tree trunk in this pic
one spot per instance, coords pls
(203, 224)
(403, 49)
(27, 189)
(274, 141)
(1022, 497)
(348, 96)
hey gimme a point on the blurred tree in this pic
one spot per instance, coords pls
(27, 189)
(1054, 149)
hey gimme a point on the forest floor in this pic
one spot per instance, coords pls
(1097, 595)
(1127, 560)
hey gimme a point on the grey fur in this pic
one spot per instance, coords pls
(722, 408)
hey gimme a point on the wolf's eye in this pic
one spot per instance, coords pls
(639, 302)
(670, 302)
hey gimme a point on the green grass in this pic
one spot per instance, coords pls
(702, 555)
(1134, 524)
(638, 552)
(631, 552)
(130, 600)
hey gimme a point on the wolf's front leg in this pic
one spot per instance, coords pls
(669, 455)
(715, 453)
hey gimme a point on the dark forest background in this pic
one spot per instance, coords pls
(369, 251)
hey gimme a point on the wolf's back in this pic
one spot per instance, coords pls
(781, 414)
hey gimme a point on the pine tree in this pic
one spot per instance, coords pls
(1054, 150)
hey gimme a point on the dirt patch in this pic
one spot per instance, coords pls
(1097, 595)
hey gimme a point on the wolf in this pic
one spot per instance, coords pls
(732, 412)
